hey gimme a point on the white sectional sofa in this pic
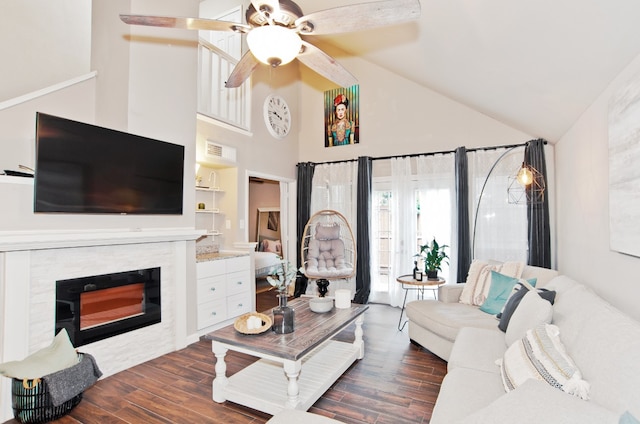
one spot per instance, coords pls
(603, 343)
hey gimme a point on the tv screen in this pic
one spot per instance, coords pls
(83, 168)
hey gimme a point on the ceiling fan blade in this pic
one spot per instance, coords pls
(325, 65)
(358, 17)
(184, 23)
(241, 72)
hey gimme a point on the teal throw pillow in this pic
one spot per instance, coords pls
(627, 418)
(499, 291)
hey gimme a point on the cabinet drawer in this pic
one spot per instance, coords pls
(238, 282)
(238, 304)
(210, 268)
(213, 312)
(241, 263)
(212, 288)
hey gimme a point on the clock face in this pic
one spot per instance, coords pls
(277, 116)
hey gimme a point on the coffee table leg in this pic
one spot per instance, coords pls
(358, 342)
(292, 370)
(220, 382)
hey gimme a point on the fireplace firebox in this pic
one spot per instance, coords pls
(101, 306)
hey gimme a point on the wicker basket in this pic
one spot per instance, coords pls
(241, 323)
(31, 402)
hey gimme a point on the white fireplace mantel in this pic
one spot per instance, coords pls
(31, 262)
(54, 239)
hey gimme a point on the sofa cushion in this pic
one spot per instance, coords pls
(604, 343)
(446, 319)
(499, 291)
(532, 311)
(536, 402)
(477, 348)
(464, 391)
(540, 355)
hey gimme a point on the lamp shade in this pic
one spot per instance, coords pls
(525, 176)
(273, 44)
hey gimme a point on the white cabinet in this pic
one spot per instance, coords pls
(224, 290)
(208, 216)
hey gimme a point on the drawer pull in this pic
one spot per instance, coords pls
(213, 313)
(239, 283)
(240, 305)
(212, 289)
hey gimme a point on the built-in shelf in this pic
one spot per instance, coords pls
(207, 196)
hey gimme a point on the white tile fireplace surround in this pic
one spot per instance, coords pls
(30, 265)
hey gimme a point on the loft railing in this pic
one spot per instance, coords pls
(228, 105)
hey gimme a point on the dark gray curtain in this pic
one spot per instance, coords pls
(463, 245)
(538, 212)
(305, 183)
(363, 265)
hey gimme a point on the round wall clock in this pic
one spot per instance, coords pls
(277, 116)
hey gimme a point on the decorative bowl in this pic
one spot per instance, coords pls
(241, 323)
(321, 304)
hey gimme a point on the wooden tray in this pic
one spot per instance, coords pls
(241, 323)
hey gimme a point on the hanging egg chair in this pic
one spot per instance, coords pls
(328, 247)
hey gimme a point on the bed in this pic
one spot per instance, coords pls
(267, 256)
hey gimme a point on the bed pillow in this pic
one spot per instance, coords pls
(499, 291)
(540, 355)
(59, 355)
(273, 246)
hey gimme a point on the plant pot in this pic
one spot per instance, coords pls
(432, 275)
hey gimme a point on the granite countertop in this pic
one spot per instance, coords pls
(208, 254)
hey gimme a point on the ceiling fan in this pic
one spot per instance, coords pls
(274, 28)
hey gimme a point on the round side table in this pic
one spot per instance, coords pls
(408, 283)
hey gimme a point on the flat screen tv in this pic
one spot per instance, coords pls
(86, 169)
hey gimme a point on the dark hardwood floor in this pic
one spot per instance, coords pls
(396, 382)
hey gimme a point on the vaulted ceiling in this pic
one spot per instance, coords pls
(534, 65)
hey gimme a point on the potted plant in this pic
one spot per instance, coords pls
(433, 254)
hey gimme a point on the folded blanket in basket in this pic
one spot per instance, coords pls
(69, 382)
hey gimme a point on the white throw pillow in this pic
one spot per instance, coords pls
(466, 296)
(540, 355)
(531, 312)
(59, 355)
(478, 280)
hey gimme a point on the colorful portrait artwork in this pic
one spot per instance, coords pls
(341, 116)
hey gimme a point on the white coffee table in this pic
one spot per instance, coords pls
(296, 368)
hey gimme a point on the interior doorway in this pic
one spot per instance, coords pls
(269, 226)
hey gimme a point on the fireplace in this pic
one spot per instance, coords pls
(101, 306)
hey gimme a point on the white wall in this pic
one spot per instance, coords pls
(582, 171)
(146, 84)
(397, 117)
(42, 43)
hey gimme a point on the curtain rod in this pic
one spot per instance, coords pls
(444, 152)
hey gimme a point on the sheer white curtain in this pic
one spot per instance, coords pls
(436, 197)
(403, 225)
(501, 227)
(335, 186)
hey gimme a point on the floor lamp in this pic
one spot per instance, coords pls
(527, 185)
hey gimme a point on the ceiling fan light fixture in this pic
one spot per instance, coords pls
(273, 44)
